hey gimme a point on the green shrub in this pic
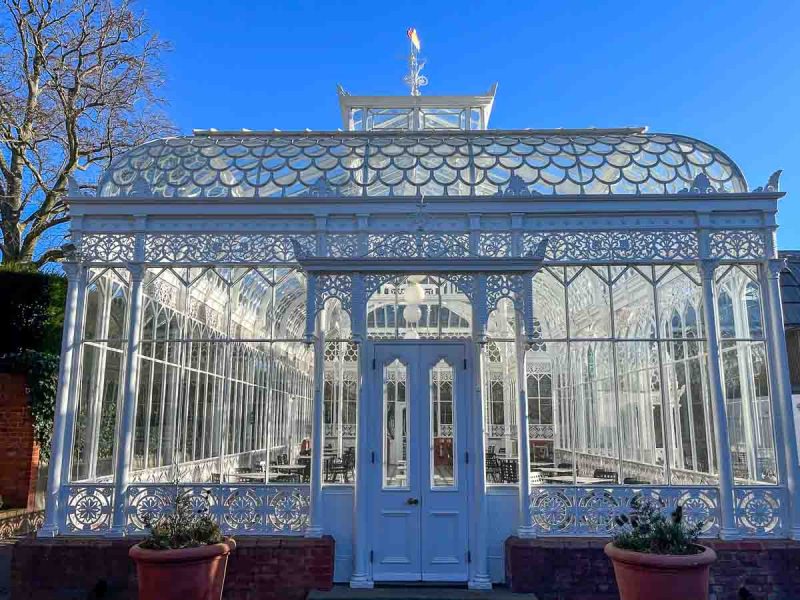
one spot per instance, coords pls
(647, 529)
(183, 525)
(32, 307)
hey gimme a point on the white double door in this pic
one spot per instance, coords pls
(419, 471)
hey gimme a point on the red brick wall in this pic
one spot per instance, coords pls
(577, 568)
(19, 453)
(268, 568)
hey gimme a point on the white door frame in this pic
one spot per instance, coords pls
(453, 565)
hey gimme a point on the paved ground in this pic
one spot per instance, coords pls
(343, 592)
(5, 568)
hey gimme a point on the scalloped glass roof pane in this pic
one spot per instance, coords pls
(207, 165)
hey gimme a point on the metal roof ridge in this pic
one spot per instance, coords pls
(421, 132)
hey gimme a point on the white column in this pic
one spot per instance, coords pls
(524, 528)
(479, 574)
(64, 417)
(317, 429)
(781, 396)
(728, 528)
(361, 577)
(127, 416)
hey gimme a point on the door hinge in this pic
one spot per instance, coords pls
(371, 555)
(465, 364)
(466, 457)
(373, 364)
(372, 457)
(469, 556)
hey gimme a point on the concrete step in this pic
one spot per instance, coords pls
(417, 592)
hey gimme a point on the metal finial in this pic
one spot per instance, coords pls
(414, 80)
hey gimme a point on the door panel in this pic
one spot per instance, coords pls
(418, 427)
(396, 549)
(444, 493)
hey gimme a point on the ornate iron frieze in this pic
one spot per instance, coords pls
(592, 511)
(239, 509)
(566, 246)
(760, 511)
(227, 247)
(742, 243)
(107, 247)
(615, 245)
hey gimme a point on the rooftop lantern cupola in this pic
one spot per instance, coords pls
(416, 112)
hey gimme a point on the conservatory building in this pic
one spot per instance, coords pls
(421, 336)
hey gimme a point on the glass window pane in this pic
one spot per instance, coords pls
(395, 426)
(749, 412)
(443, 426)
(99, 396)
(596, 422)
(634, 303)
(340, 394)
(589, 307)
(639, 388)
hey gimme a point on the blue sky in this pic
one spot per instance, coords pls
(725, 72)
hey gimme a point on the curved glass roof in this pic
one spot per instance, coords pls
(480, 163)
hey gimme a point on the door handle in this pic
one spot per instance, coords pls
(412, 501)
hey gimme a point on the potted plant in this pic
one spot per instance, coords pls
(184, 556)
(656, 557)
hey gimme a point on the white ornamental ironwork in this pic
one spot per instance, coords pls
(592, 511)
(240, 509)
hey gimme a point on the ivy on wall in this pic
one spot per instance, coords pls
(41, 371)
(32, 309)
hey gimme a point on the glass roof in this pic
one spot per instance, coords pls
(481, 163)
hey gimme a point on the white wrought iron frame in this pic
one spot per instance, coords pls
(490, 248)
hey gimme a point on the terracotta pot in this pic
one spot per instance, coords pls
(185, 574)
(642, 576)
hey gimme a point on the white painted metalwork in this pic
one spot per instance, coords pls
(615, 289)
(566, 511)
(504, 164)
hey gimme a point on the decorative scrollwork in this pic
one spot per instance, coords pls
(342, 245)
(541, 431)
(418, 245)
(107, 247)
(615, 245)
(593, 510)
(88, 508)
(738, 244)
(495, 244)
(19, 523)
(334, 286)
(760, 511)
(240, 247)
(773, 183)
(701, 184)
(500, 286)
(240, 509)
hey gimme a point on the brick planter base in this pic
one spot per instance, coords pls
(576, 568)
(265, 568)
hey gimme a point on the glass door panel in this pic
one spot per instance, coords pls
(395, 426)
(443, 473)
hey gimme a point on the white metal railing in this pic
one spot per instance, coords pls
(591, 511)
(86, 508)
(273, 509)
(541, 431)
(760, 511)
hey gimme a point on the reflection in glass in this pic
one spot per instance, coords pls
(442, 425)
(395, 425)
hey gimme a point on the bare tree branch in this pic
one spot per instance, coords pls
(79, 83)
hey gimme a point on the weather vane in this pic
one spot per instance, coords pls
(414, 80)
